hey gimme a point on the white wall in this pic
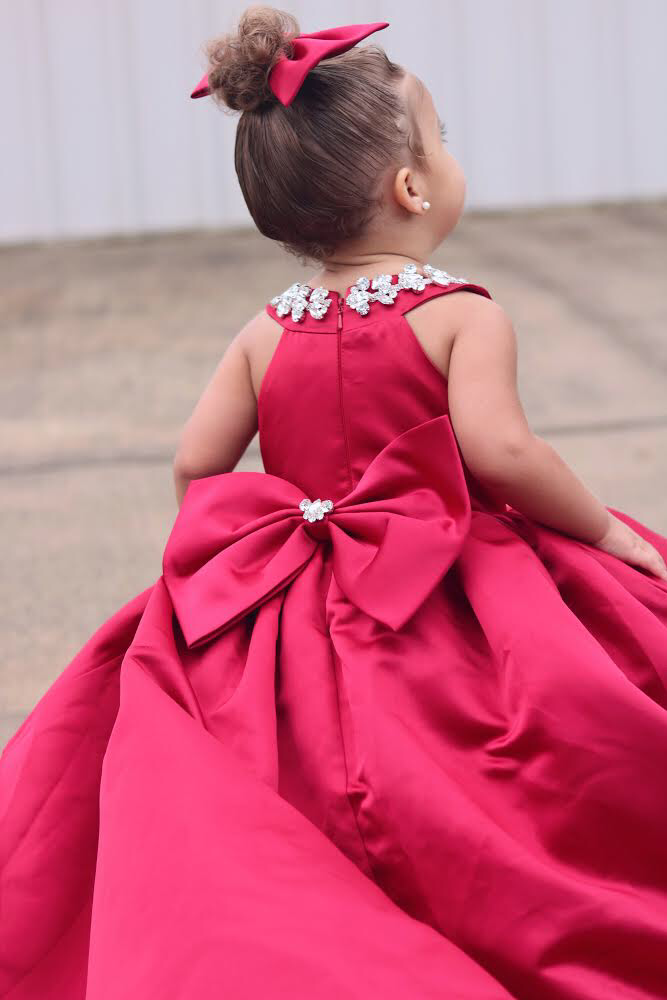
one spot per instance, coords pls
(544, 100)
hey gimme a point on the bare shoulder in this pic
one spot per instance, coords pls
(467, 307)
(258, 328)
(483, 327)
(484, 403)
(437, 322)
(484, 347)
(258, 339)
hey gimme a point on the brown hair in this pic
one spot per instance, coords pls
(311, 172)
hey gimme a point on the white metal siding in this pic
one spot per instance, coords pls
(545, 101)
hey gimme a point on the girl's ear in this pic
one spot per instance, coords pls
(406, 190)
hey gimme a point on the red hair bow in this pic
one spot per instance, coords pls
(287, 75)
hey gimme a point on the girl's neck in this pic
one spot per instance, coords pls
(339, 272)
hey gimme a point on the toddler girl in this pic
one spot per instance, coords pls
(392, 721)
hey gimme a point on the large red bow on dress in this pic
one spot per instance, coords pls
(287, 75)
(240, 537)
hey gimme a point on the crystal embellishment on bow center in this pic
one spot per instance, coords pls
(314, 510)
(300, 299)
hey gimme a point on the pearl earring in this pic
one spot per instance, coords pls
(426, 205)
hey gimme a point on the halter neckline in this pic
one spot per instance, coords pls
(301, 298)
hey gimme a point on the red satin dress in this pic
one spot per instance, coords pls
(409, 745)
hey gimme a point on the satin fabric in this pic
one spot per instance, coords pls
(415, 749)
(287, 75)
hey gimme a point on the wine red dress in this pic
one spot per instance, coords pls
(369, 735)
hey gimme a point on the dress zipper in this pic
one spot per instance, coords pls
(340, 389)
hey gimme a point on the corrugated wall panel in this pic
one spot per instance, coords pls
(545, 101)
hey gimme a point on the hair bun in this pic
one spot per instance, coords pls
(240, 62)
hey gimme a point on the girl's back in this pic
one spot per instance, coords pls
(342, 382)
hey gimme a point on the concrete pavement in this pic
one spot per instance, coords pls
(107, 344)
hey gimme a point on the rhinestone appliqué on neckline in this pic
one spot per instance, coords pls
(314, 510)
(300, 298)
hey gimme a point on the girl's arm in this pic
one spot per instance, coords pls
(496, 442)
(223, 422)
